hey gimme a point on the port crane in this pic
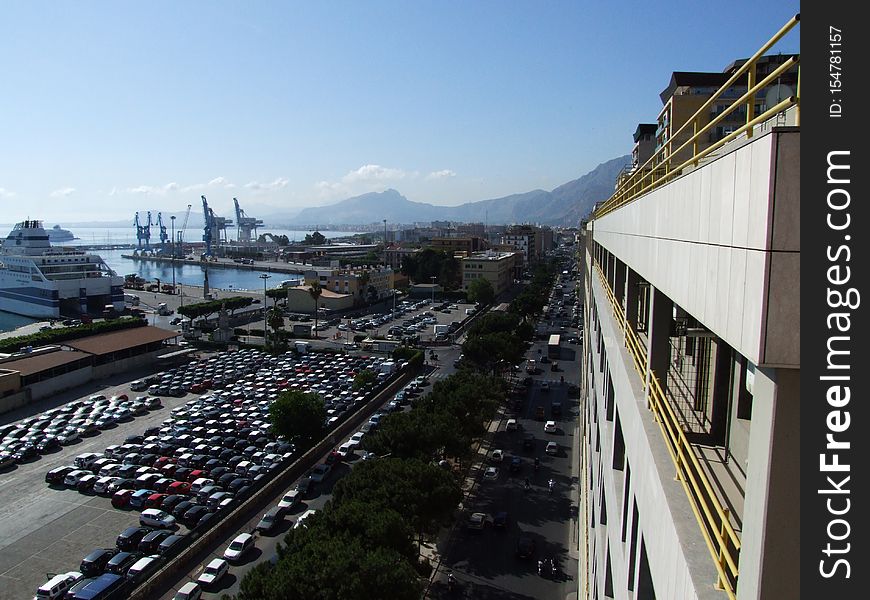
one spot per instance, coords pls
(245, 224)
(163, 235)
(143, 232)
(179, 236)
(215, 228)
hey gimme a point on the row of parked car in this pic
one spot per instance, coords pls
(209, 453)
(57, 427)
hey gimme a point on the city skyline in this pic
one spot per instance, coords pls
(115, 110)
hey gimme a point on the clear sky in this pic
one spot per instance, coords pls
(108, 108)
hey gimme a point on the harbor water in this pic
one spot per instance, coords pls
(218, 278)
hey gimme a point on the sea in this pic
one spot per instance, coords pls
(223, 278)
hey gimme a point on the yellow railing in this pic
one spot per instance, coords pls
(721, 538)
(659, 170)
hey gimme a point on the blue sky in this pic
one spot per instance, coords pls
(107, 108)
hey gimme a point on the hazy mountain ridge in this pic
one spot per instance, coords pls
(565, 205)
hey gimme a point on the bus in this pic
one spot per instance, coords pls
(554, 349)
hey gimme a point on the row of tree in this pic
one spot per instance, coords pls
(364, 543)
(56, 336)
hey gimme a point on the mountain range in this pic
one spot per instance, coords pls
(565, 205)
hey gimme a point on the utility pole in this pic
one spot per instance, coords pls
(264, 277)
(385, 242)
(172, 220)
(433, 278)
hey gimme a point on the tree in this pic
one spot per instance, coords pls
(363, 379)
(275, 320)
(315, 291)
(299, 417)
(480, 290)
(315, 239)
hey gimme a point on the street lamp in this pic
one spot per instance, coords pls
(172, 219)
(264, 277)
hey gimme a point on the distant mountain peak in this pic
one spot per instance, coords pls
(565, 205)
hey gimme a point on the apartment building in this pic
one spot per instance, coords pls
(499, 268)
(691, 376)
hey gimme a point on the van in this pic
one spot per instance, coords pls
(189, 591)
(57, 586)
(83, 461)
(143, 567)
(104, 586)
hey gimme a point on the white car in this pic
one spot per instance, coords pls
(73, 477)
(490, 474)
(320, 472)
(550, 427)
(239, 546)
(290, 500)
(213, 572)
(511, 425)
(357, 438)
(154, 517)
(552, 448)
(497, 455)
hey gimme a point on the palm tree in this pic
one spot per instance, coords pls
(315, 290)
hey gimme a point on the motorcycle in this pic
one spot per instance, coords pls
(551, 483)
(537, 464)
(451, 582)
(527, 486)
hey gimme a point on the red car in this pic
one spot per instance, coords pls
(179, 487)
(121, 498)
(196, 474)
(163, 460)
(154, 501)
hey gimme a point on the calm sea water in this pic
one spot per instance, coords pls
(227, 279)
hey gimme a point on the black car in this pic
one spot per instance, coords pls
(525, 546)
(217, 472)
(121, 562)
(150, 542)
(194, 514)
(56, 475)
(129, 539)
(171, 545)
(48, 444)
(170, 502)
(94, 564)
(236, 484)
(227, 478)
(529, 442)
(516, 464)
(181, 508)
(25, 452)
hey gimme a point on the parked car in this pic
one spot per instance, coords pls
(151, 542)
(213, 572)
(129, 539)
(239, 547)
(154, 517)
(121, 498)
(94, 564)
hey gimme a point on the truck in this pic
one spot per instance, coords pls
(163, 310)
(303, 347)
(133, 299)
(439, 329)
(302, 330)
(389, 367)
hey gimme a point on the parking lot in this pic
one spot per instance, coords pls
(221, 432)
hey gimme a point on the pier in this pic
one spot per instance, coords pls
(225, 263)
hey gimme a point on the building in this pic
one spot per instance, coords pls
(688, 91)
(499, 268)
(393, 255)
(533, 242)
(690, 393)
(300, 300)
(363, 284)
(458, 245)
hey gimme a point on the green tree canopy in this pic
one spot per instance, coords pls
(299, 417)
(481, 290)
(315, 238)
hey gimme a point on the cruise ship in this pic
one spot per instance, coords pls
(44, 281)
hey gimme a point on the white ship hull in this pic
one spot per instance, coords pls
(39, 281)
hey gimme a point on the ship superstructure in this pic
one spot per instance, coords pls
(45, 281)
